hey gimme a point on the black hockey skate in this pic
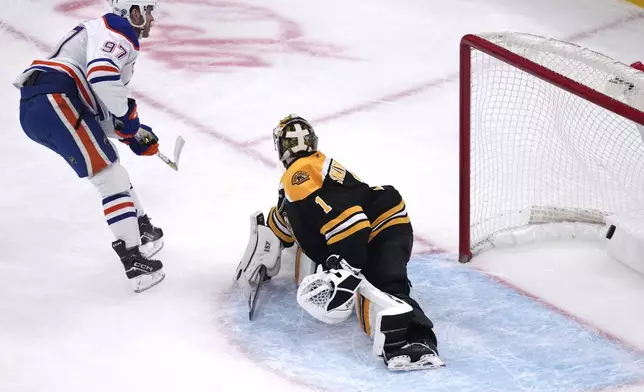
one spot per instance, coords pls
(421, 354)
(142, 271)
(151, 237)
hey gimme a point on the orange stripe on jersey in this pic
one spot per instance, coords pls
(97, 163)
(71, 73)
(102, 68)
(118, 207)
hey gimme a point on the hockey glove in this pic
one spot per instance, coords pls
(329, 295)
(144, 142)
(128, 125)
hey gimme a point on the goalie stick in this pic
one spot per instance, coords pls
(252, 300)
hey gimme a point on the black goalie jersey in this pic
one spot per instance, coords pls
(328, 210)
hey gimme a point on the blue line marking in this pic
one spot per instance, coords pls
(490, 337)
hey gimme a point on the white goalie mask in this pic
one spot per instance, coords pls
(294, 137)
(137, 12)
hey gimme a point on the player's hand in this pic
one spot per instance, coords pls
(335, 262)
(128, 125)
(144, 142)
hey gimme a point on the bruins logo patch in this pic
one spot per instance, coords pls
(299, 178)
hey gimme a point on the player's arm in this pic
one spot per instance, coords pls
(280, 228)
(111, 52)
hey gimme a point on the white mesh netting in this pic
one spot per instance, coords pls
(315, 291)
(540, 154)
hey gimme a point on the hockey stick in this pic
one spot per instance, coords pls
(178, 147)
(252, 300)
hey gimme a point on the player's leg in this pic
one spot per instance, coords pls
(408, 334)
(387, 270)
(113, 185)
(151, 236)
(57, 122)
(120, 206)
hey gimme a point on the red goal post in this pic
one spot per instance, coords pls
(541, 140)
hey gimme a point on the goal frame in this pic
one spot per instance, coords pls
(472, 42)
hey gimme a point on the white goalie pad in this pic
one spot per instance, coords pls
(263, 249)
(372, 305)
(625, 239)
(261, 259)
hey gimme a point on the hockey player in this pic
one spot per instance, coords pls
(357, 239)
(75, 99)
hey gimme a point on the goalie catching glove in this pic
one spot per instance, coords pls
(329, 295)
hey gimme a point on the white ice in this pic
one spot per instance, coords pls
(379, 79)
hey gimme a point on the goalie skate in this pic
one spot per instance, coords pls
(413, 356)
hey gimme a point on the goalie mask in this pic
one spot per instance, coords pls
(140, 13)
(294, 137)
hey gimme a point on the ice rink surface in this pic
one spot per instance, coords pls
(379, 82)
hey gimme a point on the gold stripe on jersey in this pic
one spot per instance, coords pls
(388, 214)
(340, 218)
(280, 218)
(396, 221)
(279, 229)
(304, 177)
(363, 224)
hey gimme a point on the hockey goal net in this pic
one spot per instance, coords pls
(549, 136)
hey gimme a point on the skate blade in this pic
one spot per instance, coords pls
(144, 282)
(151, 248)
(402, 364)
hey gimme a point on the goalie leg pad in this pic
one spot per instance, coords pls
(261, 260)
(399, 334)
(384, 317)
(263, 249)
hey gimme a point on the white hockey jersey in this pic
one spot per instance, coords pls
(99, 55)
